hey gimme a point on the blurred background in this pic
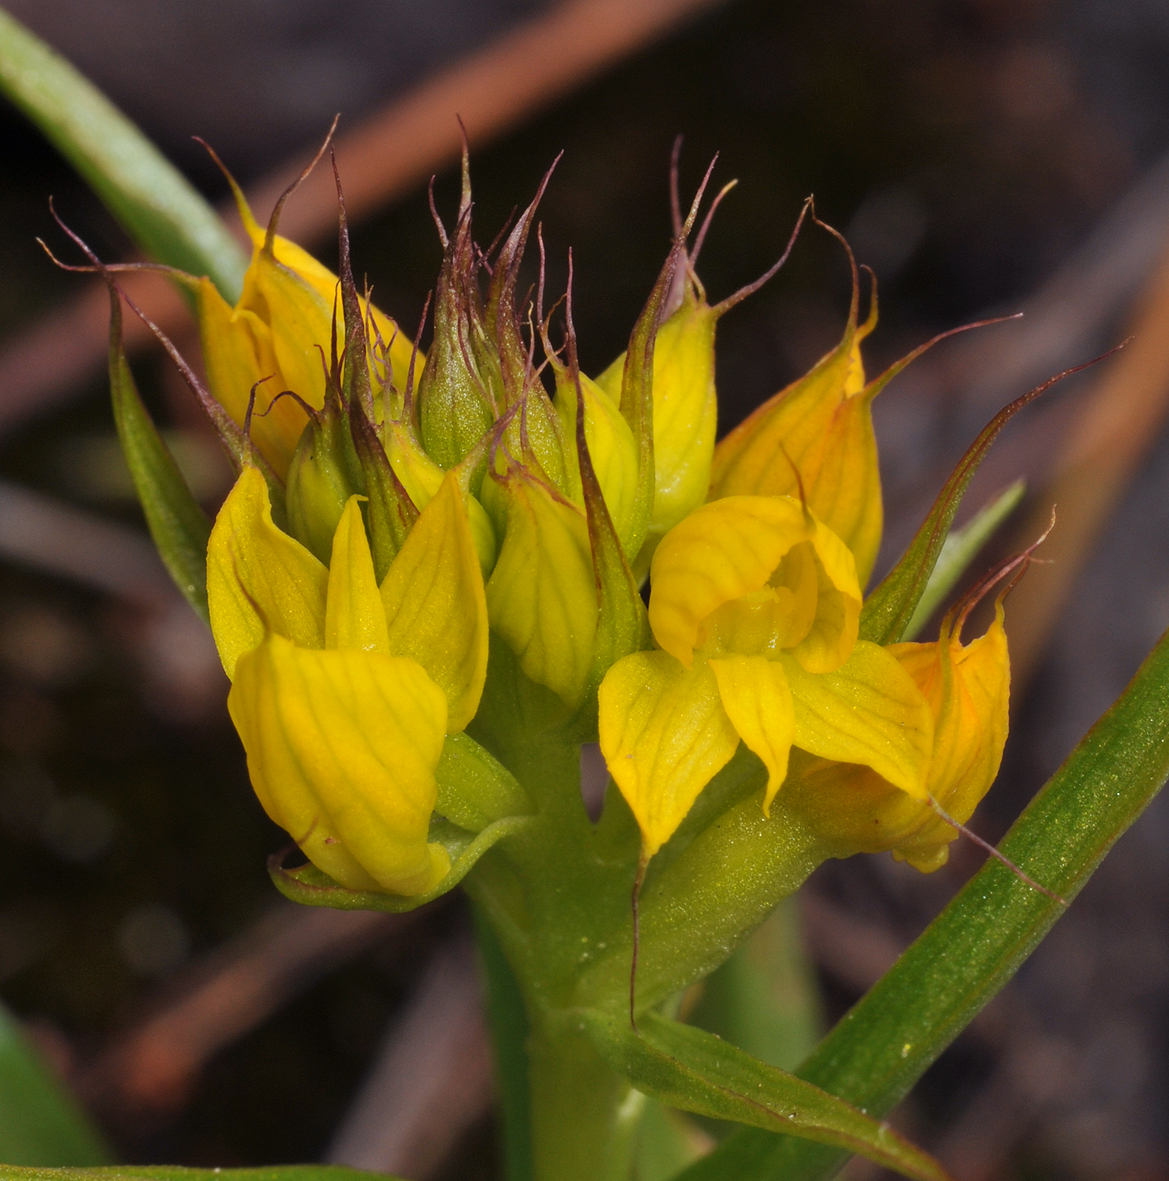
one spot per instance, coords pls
(983, 156)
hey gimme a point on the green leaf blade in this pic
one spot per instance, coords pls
(178, 525)
(888, 610)
(695, 1071)
(148, 196)
(181, 1173)
(39, 1123)
(886, 1042)
(958, 551)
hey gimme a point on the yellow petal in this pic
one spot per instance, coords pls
(300, 321)
(968, 689)
(868, 711)
(854, 807)
(237, 353)
(685, 410)
(258, 578)
(435, 605)
(354, 615)
(324, 283)
(838, 605)
(854, 810)
(342, 747)
(731, 548)
(230, 350)
(542, 595)
(822, 427)
(757, 699)
(422, 478)
(664, 734)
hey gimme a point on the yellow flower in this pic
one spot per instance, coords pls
(343, 690)
(815, 439)
(968, 690)
(280, 330)
(754, 605)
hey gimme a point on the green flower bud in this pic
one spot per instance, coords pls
(323, 475)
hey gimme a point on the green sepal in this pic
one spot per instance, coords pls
(454, 396)
(355, 382)
(637, 395)
(323, 475)
(695, 1071)
(720, 875)
(622, 621)
(961, 547)
(178, 526)
(181, 1173)
(148, 196)
(537, 426)
(390, 513)
(311, 887)
(889, 609)
(474, 788)
(885, 1043)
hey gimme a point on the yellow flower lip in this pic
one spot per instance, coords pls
(754, 575)
(344, 689)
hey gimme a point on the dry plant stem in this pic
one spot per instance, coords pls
(431, 1080)
(1118, 421)
(155, 1062)
(381, 159)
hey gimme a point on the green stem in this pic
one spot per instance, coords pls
(548, 903)
(584, 1116)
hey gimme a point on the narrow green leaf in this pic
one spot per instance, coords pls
(888, 610)
(311, 887)
(151, 199)
(886, 1042)
(39, 1123)
(178, 525)
(696, 1071)
(180, 1173)
(959, 550)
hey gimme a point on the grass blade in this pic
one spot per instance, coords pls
(148, 196)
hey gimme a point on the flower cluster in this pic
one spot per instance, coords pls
(395, 510)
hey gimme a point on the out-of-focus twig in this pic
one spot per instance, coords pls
(1115, 426)
(39, 531)
(382, 158)
(432, 1079)
(152, 1065)
(1065, 321)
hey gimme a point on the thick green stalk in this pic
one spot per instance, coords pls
(548, 903)
(584, 1116)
